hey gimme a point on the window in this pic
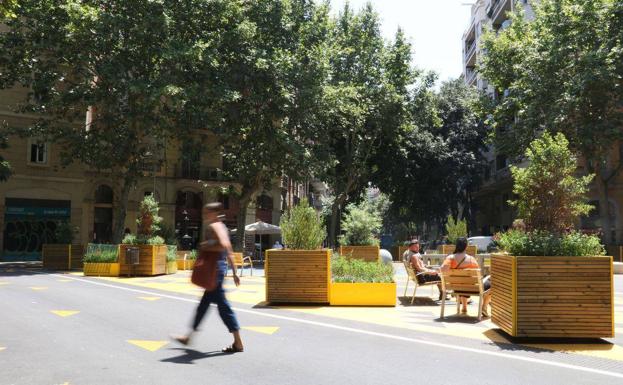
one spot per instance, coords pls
(500, 162)
(38, 152)
(264, 202)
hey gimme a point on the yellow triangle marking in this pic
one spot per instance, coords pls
(152, 346)
(64, 313)
(4, 283)
(2, 348)
(39, 288)
(150, 298)
(64, 280)
(262, 329)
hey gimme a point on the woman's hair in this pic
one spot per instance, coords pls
(461, 245)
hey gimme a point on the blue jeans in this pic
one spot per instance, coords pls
(217, 296)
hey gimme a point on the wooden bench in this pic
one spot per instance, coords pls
(462, 283)
(240, 262)
(412, 276)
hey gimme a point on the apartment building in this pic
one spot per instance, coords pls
(41, 192)
(493, 212)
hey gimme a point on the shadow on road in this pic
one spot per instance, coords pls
(419, 301)
(16, 269)
(190, 356)
(546, 345)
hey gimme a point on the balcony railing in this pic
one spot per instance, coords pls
(200, 173)
(470, 76)
(471, 49)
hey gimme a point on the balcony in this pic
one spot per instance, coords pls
(185, 171)
(470, 53)
(496, 11)
(470, 76)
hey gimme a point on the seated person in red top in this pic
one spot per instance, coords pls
(461, 260)
(412, 254)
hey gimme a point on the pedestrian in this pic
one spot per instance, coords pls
(424, 274)
(217, 237)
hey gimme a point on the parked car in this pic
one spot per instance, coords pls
(482, 242)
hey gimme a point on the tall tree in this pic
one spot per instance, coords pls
(365, 104)
(112, 58)
(562, 72)
(272, 70)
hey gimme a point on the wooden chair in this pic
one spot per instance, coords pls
(412, 276)
(462, 282)
(240, 262)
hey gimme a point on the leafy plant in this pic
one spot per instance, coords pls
(192, 255)
(148, 220)
(543, 243)
(155, 240)
(455, 229)
(168, 233)
(550, 196)
(64, 233)
(361, 226)
(101, 253)
(130, 239)
(301, 228)
(356, 271)
(171, 253)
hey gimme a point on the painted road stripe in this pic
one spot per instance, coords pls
(378, 334)
(262, 329)
(150, 298)
(64, 313)
(64, 280)
(152, 346)
(36, 288)
(4, 283)
(2, 348)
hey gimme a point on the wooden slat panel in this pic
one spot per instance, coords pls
(365, 253)
(297, 276)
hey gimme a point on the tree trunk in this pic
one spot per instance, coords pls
(335, 208)
(120, 210)
(604, 205)
(245, 199)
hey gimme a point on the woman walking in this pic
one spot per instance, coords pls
(217, 240)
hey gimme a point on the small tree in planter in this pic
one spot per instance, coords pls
(152, 250)
(455, 230)
(300, 273)
(60, 253)
(553, 274)
(361, 226)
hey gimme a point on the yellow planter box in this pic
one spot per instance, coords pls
(187, 264)
(553, 296)
(297, 276)
(171, 267)
(363, 294)
(101, 269)
(152, 260)
(365, 253)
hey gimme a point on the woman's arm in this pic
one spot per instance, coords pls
(221, 232)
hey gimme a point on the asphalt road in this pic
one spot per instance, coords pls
(65, 329)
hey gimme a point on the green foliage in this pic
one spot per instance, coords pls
(356, 271)
(5, 166)
(155, 240)
(192, 255)
(168, 233)
(148, 220)
(100, 253)
(301, 229)
(361, 225)
(455, 229)
(541, 243)
(171, 253)
(561, 71)
(64, 233)
(549, 196)
(130, 239)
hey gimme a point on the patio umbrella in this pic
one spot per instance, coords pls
(261, 228)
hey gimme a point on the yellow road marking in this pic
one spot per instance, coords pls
(65, 313)
(38, 288)
(262, 329)
(64, 280)
(2, 348)
(4, 283)
(152, 346)
(150, 298)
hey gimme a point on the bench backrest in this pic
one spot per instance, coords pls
(237, 258)
(410, 270)
(462, 281)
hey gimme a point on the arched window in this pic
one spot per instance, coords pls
(103, 194)
(102, 214)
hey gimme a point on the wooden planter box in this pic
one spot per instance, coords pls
(298, 276)
(553, 296)
(365, 253)
(101, 269)
(449, 249)
(397, 252)
(62, 257)
(171, 267)
(152, 260)
(187, 264)
(363, 294)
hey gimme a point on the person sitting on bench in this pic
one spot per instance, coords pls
(412, 254)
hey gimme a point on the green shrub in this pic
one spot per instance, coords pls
(361, 226)
(358, 271)
(155, 240)
(301, 228)
(171, 253)
(543, 243)
(168, 233)
(192, 255)
(130, 239)
(100, 253)
(148, 220)
(64, 234)
(455, 229)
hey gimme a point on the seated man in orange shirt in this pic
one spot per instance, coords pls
(415, 259)
(461, 260)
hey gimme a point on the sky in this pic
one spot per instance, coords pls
(434, 27)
